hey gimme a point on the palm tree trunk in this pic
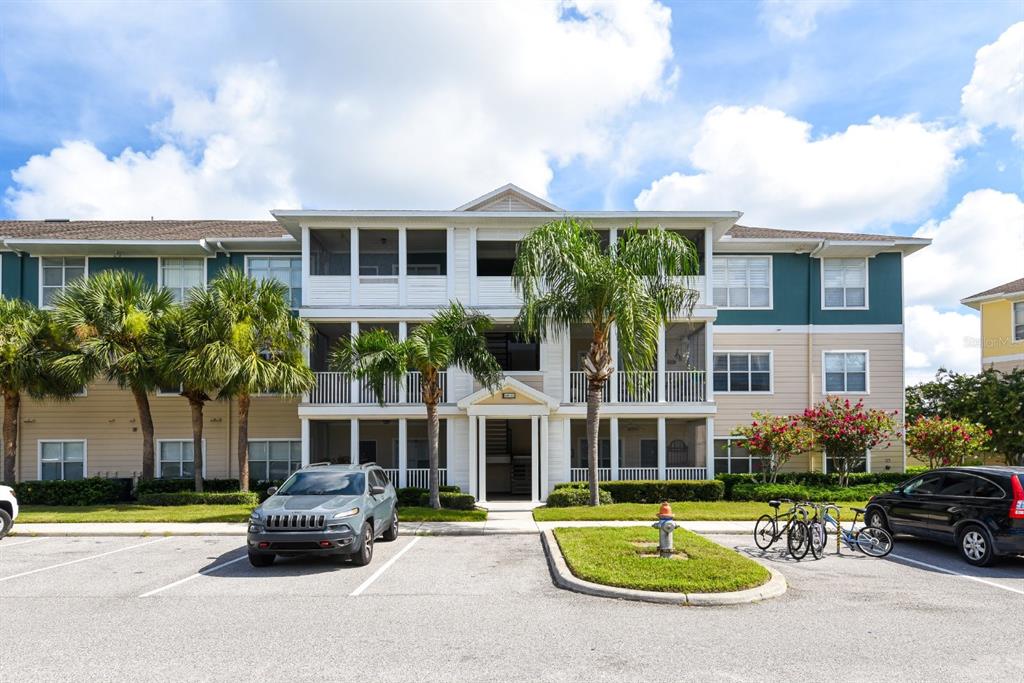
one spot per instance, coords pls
(243, 442)
(146, 422)
(12, 412)
(594, 391)
(432, 430)
(196, 407)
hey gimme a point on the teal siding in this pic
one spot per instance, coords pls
(144, 266)
(10, 268)
(222, 261)
(796, 285)
(29, 279)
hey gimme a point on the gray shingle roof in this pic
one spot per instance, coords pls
(138, 230)
(1012, 287)
(744, 232)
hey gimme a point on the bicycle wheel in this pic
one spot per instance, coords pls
(797, 539)
(818, 539)
(874, 542)
(764, 532)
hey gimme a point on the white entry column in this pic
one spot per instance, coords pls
(353, 383)
(354, 441)
(403, 452)
(482, 457)
(305, 441)
(535, 458)
(613, 446)
(474, 478)
(544, 463)
(662, 448)
(709, 447)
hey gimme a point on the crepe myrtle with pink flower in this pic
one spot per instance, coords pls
(775, 440)
(847, 431)
(945, 441)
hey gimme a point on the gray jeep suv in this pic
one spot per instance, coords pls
(325, 509)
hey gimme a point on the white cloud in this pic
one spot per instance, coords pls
(995, 95)
(937, 339)
(796, 19)
(767, 164)
(978, 246)
(365, 106)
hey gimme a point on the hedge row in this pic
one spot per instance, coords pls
(192, 498)
(815, 480)
(90, 491)
(410, 496)
(766, 492)
(452, 500)
(574, 496)
(655, 491)
(209, 485)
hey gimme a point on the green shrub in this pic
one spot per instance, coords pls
(813, 480)
(453, 500)
(654, 491)
(193, 498)
(90, 491)
(766, 492)
(175, 485)
(572, 496)
(916, 470)
(731, 480)
(409, 496)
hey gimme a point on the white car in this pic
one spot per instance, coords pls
(8, 509)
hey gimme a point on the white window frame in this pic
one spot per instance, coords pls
(867, 462)
(64, 284)
(867, 285)
(771, 282)
(158, 466)
(297, 440)
(749, 352)
(160, 271)
(751, 458)
(287, 284)
(1014, 322)
(39, 457)
(867, 373)
(177, 394)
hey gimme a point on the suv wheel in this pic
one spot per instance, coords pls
(876, 518)
(5, 523)
(362, 557)
(392, 533)
(976, 546)
(261, 559)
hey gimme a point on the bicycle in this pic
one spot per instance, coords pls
(767, 529)
(868, 540)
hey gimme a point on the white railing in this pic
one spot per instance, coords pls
(686, 473)
(392, 476)
(583, 474)
(389, 394)
(414, 389)
(331, 387)
(578, 388)
(684, 386)
(419, 477)
(638, 473)
(496, 291)
(638, 387)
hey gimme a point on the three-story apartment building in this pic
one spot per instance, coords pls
(783, 318)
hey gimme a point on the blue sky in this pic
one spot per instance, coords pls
(900, 117)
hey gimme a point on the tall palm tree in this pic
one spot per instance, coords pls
(264, 351)
(29, 343)
(115, 318)
(453, 337)
(566, 277)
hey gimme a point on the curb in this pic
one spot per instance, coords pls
(565, 579)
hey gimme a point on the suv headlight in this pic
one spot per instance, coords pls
(346, 513)
(256, 518)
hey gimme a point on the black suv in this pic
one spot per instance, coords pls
(980, 509)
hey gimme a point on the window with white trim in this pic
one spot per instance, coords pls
(285, 269)
(730, 458)
(742, 281)
(274, 460)
(604, 453)
(742, 372)
(175, 459)
(857, 465)
(1018, 321)
(178, 275)
(845, 282)
(58, 273)
(61, 460)
(846, 372)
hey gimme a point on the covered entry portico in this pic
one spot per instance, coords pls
(522, 404)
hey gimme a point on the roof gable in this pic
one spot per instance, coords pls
(522, 394)
(508, 198)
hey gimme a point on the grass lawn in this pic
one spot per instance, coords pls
(719, 510)
(132, 512)
(613, 557)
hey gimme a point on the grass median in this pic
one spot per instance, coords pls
(133, 512)
(713, 511)
(626, 557)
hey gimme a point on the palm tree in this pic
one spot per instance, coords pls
(264, 350)
(197, 356)
(566, 277)
(453, 337)
(115, 319)
(29, 344)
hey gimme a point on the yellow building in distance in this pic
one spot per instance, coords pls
(1002, 325)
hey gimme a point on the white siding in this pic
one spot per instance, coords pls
(458, 454)
(378, 291)
(462, 264)
(427, 290)
(558, 460)
(551, 358)
(328, 290)
(496, 291)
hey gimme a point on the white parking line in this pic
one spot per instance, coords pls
(204, 572)
(81, 559)
(8, 544)
(383, 568)
(962, 576)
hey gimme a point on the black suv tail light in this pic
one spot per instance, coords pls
(1017, 508)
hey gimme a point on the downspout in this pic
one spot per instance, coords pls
(810, 335)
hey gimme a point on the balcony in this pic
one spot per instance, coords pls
(335, 388)
(681, 386)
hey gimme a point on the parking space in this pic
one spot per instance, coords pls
(480, 608)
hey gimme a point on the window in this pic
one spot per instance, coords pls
(732, 459)
(844, 282)
(742, 282)
(743, 372)
(957, 484)
(426, 252)
(58, 273)
(495, 259)
(285, 269)
(984, 488)
(378, 253)
(1018, 321)
(604, 453)
(858, 465)
(178, 275)
(61, 460)
(512, 352)
(846, 372)
(648, 452)
(928, 484)
(274, 460)
(175, 459)
(330, 252)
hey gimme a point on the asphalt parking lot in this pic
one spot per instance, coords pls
(483, 608)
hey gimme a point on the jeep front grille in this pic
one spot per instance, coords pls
(295, 522)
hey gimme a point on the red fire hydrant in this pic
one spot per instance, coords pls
(665, 525)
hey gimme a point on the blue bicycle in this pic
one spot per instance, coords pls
(868, 540)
